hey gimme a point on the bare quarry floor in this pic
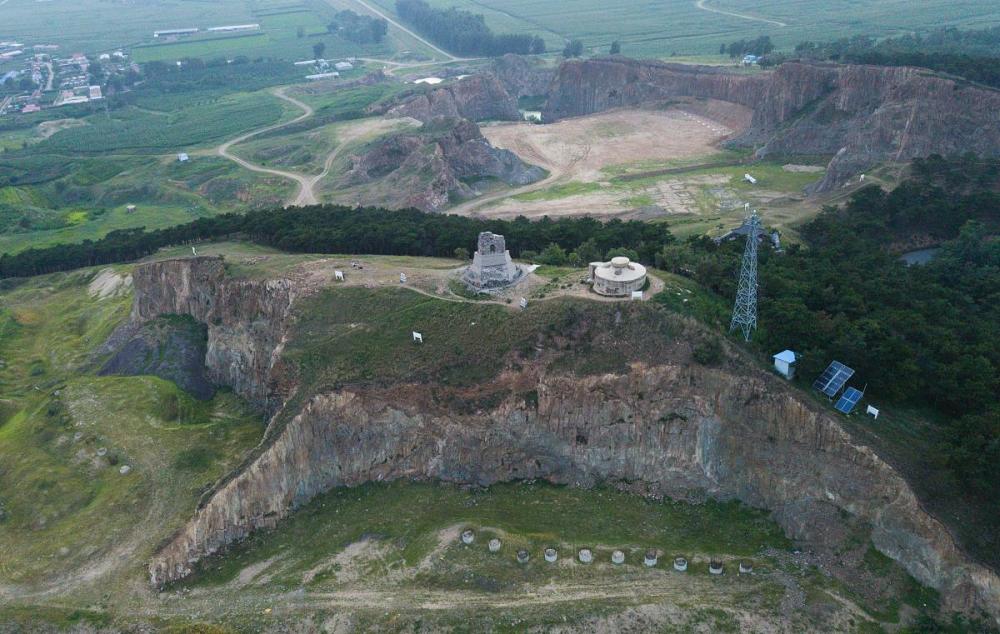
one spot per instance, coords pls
(665, 165)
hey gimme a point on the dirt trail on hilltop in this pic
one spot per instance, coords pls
(305, 187)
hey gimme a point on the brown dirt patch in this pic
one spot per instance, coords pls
(579, 149)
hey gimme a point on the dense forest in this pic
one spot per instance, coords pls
(331, 229)
(917, 335)
(463, 32)
(361, 29)
(974, 55)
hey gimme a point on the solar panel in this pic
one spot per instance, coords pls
(848, 400)
(833, 378)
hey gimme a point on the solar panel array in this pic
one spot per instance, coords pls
(833, 378)
(848, 400)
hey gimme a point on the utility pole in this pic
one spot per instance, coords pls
(745, 310)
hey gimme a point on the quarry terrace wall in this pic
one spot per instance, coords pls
(863, 115)
(677, 428)
(246, 321)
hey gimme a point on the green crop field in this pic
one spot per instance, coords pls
(658, 29)
(76, 184)
(94, 25)
(133, 129)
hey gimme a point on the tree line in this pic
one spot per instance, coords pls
(920, 335)
(463, 32)
(974, 55)
(337, 229)
(759, 46)
(360, 29)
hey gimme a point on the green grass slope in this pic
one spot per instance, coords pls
(66, 434)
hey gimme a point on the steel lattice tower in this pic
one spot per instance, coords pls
(745, 311)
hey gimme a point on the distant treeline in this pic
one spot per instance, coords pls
(759, 46)
(195, 74)
(974, 55)
(464, 32)
(360, 29)
(335, 229)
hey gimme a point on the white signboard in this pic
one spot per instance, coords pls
(872, 411)
(338, 275)
(524, 302)
(637, 296)
(417, 337)
(402, 278)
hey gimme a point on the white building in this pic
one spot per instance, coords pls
(618, 278)
(183, 157)
(784, 363)
(233, 27)
(343, 66)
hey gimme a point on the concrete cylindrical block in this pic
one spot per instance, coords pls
(585, 555)
(680, 564)
(522, 556)
(494, 545)
(715, 568)
(746, 567)
(468, 536)
(649, 560)
(617, 557)
(551, 555)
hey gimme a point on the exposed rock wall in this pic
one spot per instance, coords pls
(476, 97)
(676, 428)
(246, 320)
(864, 115)
(428, 168)
(521, 76)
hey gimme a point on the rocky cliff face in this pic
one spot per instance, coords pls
(246, 321)
(477, 98)
(864, 115)
(522, 77)
(676, 428)
(430, 167)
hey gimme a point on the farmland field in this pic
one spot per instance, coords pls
(288, 30)
(77, 183)
(658, 29)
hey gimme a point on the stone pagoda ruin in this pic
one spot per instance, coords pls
(491, 266)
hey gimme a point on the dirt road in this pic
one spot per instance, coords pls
(305, 192)
(581, 149)
(701, 5)
(447, 55)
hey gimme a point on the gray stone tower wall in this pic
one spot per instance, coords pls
(491, 265)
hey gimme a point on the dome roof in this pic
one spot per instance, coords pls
(620, 269)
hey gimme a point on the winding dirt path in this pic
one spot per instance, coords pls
(701, 5)
(305, 192)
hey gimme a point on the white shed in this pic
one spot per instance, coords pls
(784, 363)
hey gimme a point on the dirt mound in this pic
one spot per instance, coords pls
(477, 97)
(435, 165)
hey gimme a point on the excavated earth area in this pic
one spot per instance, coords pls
(579, 150)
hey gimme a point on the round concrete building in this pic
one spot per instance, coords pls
(618, 278)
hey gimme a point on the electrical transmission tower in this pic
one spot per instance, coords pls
(745, 311)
